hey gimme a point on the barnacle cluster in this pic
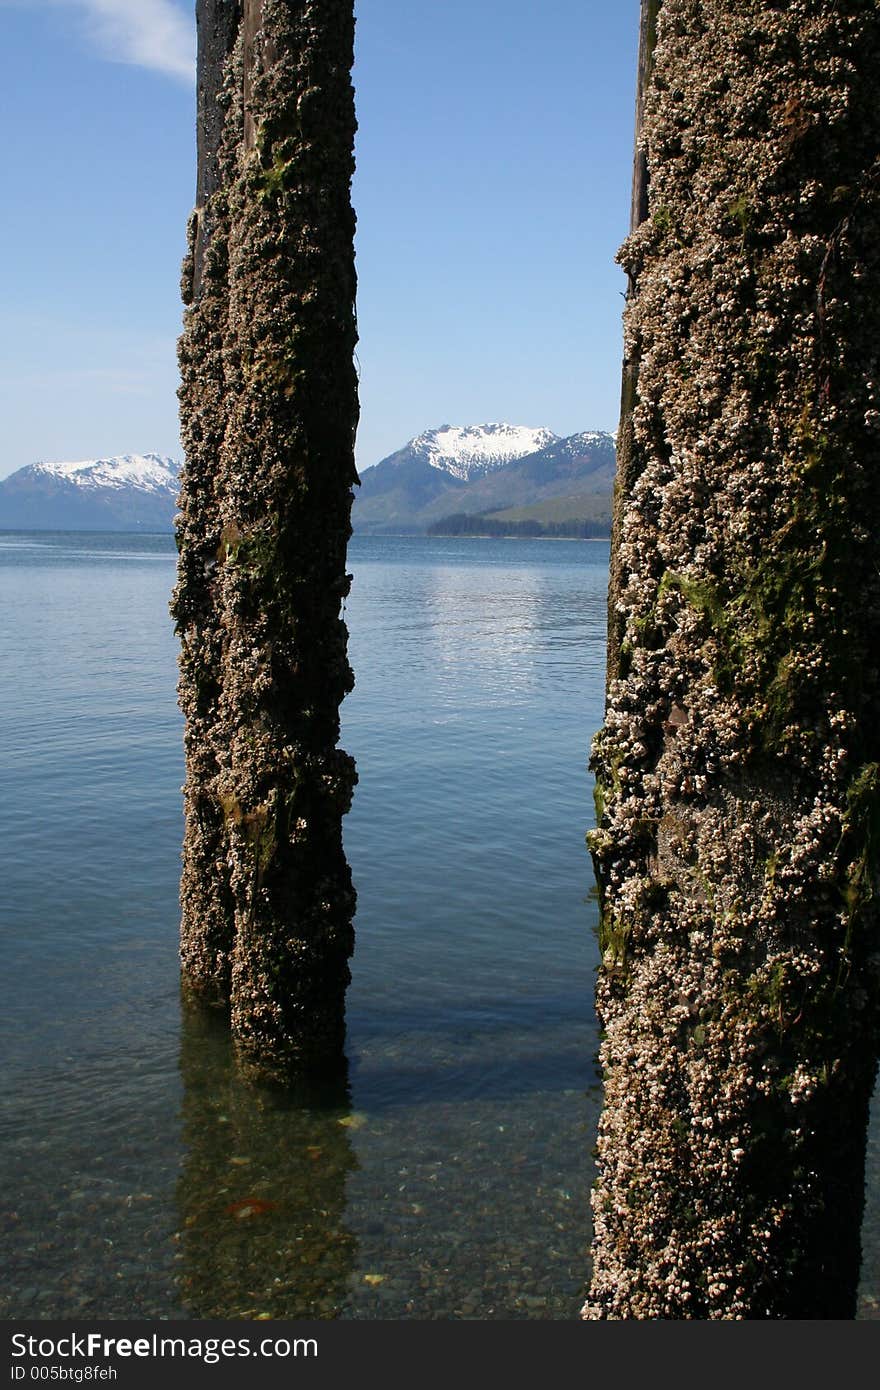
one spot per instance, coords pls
(269, 409)
(738, 840)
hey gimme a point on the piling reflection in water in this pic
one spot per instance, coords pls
(261, 1195)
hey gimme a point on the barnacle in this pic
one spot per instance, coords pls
(740, 1012)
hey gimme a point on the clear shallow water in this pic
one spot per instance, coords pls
(452, 1178)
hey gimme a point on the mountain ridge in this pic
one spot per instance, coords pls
(123, 492)
(493, 469)
(468, 451)
(407, 492)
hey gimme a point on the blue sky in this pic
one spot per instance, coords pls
(494, 158)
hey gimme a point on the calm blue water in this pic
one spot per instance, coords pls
(140, 1177)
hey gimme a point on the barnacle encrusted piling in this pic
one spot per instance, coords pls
(739, 822)
(269, 409)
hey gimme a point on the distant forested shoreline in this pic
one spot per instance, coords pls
(469, 524)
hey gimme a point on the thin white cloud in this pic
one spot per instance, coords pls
(156, 34)
(149, 33)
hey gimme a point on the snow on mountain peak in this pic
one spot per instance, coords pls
(466, 451)
(145, 472)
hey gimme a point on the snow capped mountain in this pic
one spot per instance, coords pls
(145, 472)
(588, 439)
(452, 470)
(479, 469)
(468, 451)
(129, 492)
